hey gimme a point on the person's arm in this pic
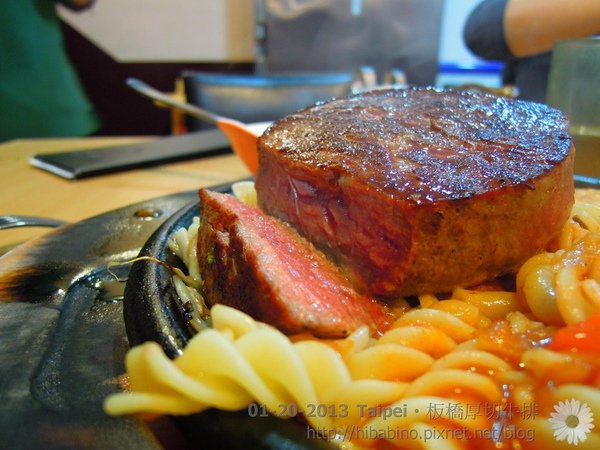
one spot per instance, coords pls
(534, 26)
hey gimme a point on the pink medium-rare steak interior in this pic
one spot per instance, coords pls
(263, 267)
(420, 190)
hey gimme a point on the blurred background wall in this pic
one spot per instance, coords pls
(155, 40)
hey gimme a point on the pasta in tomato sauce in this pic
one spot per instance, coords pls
(472, 369)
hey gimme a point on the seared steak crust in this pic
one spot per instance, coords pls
(263, 267)
(419, 190)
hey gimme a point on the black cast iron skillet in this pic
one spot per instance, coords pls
(152, 314)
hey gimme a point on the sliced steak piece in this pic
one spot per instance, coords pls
(263, 267)
(419, 190)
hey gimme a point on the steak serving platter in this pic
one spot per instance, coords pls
(65, 333)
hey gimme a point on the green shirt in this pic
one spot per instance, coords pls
(40, 94)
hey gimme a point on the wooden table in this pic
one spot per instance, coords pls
(25, 190)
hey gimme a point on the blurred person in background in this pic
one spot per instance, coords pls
(522, 33)
(40, 93)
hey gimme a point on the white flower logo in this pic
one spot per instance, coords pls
(572, 420)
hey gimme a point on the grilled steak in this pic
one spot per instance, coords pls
(263, 267)
(419, 190)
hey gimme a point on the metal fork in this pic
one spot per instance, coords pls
(10, 221)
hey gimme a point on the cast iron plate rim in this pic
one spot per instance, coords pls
(149, 306)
